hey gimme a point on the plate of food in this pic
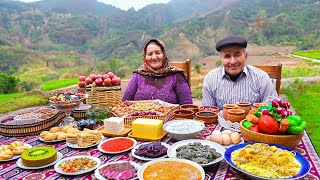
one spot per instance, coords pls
(289, 164)
(118, 170)
(150, 150)
(203, 152)
(77, 146)
(20, 164)
(117, 145)
(13, 150)
(171, 168)
(77, 165)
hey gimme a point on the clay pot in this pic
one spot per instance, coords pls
(246, 106)
(257, 105)
(191, 107)
(236, 115)
(183, 114)
(208, 117)
(226, 107)
(214, 109)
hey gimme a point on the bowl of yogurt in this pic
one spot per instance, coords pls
(183, 129)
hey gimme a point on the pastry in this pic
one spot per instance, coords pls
(86, 139)
(39, 156)
(61, 136)
(66, 128)
(19, 149)
(73, 131)
(16, 143)
(44, 133)
(71, 138)
(50, 136)
(5, 147)
(54, 129)
(5, 154)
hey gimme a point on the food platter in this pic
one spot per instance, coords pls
(305, 165)
(147, 158)
(125, 132)
(220, 149)
(53, 141)
(100, 146)
(17, 156)
(60, 171)
(100, 177)
(76, 146)
(20, 165)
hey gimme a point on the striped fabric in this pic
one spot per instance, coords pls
(253, 85)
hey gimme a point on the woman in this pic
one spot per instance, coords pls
(156, 79)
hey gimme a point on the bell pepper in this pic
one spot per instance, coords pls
(268, 125)
(297, 125)
(247, 124)
(255, 128)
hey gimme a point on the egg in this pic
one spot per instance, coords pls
(226, 140)
(216, 133)
(235, 138)
(227, 132)
(216, 138)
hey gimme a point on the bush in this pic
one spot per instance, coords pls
(8, 83)
(197, 68)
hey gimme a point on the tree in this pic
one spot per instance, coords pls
(8, 83)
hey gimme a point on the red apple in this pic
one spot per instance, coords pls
(82, 78)
(116, 81)
(99, 82)
(98, 76)
(105, 76)
(89, 80)
(111, 74)
(93, 77)
(81, 84)
(107, 81)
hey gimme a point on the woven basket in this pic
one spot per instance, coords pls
(290, 141)
(104, 96)
(31, 129)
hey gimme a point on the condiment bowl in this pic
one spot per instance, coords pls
(183, 129)
(183, 114)
(209, 108)
(192, 107)
(208, 117)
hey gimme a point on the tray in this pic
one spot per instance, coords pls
(125, 132)
(146, 139)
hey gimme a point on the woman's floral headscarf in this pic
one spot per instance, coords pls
(165, 70)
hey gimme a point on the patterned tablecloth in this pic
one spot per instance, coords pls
(219, 171)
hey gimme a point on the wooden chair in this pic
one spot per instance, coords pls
(185, 65)
(274, 72)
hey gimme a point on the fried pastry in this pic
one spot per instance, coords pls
(19, 149)
(5, 154)
(15, 144)
(54, 129)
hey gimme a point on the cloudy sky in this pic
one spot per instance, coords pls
(124, 4)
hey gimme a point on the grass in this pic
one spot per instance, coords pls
(314, 54)
(300, 71)
(18, 101)
(55, 84)
(305, 99)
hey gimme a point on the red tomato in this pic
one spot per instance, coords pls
(268, 125)
(255, 128)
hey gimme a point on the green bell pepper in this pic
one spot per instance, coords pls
(297, 125)
(247, 124)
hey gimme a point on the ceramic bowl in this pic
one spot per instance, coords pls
(236, 115)
(192, 107)
(183, 114)
(208, 117)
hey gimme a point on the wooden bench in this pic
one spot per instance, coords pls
(274, 72)
(185, 65)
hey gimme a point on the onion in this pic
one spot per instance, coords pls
(279, 110)
(265, 112)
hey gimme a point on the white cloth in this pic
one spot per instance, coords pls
(254, 85)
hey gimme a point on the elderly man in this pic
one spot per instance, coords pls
(235, 81)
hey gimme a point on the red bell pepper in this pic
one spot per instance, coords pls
(255, 128)
(268, 125)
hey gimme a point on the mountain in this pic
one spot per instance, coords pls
(189, 28)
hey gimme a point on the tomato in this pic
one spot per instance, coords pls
(268, 125)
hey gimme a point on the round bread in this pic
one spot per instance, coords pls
(73, 131)
(5, 147)
(5, 154)
(44, 133)
(50, 136)
(54, 129)
(61, 136)
(15, 144)
(66, 128)
(19, 149)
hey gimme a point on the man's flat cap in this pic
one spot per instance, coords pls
(231, 41)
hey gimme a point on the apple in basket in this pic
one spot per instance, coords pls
(111, 75)
(107, 81)
(89, 80)
(92, 76)
(82, 78)
(81, 84)
(116, 80)
(105, 76)
(99, 82)
(98, 76)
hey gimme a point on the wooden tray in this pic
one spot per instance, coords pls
(125, 132)
(146, 139)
